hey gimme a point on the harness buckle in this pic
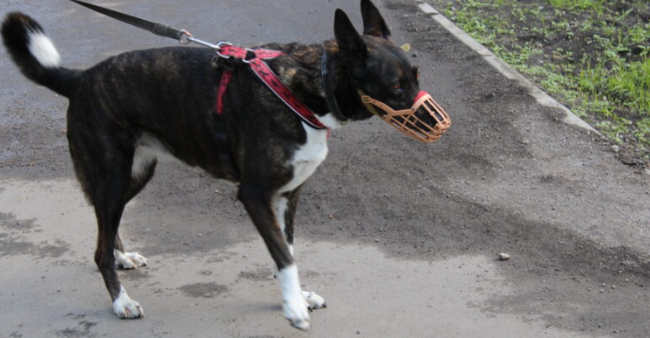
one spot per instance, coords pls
(220, 45)
(250, 55)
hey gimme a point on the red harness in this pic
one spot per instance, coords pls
(268, 77)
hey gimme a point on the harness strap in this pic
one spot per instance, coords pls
(226, 76)
(255, 59)
(264, 72)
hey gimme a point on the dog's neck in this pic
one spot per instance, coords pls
(302, 73)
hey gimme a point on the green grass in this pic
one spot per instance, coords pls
(592, 55)
(624, 84)
(620, 85)
(583, 5)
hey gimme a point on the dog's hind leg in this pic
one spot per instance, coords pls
(109, 205)
(141, 173)
(103, 166)
(258, 202)
(285, 206)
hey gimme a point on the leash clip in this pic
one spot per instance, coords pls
(184, 39)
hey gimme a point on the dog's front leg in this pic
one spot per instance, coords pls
(285, 206)
(258, 202)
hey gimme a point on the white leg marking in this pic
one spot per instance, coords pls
(129, 260)
(127, 308)
(275, 267)
(280, 206)
(293, 302)
(42, 48)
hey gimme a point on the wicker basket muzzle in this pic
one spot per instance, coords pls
(407, 122)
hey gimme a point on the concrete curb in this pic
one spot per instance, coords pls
(542, 97)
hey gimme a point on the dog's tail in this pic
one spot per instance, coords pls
(35, 54)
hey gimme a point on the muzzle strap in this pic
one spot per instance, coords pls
(428, 127)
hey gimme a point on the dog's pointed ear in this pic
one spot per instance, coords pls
(373, 22)
(352, 48)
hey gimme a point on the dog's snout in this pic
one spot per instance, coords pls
(425, 118)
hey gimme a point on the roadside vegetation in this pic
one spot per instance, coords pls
(591, 55)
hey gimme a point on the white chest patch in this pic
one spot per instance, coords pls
(307, 158)
(329, 121)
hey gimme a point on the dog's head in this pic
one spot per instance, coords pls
(384, 79)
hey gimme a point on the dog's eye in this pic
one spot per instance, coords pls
(397, 86)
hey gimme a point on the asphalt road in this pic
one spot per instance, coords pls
(400, 238)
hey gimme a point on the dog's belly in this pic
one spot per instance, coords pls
(304, 162)
(307, 158)
(148, 149)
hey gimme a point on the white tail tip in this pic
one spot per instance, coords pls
(43, 50)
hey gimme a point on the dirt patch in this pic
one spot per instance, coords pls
(83, 330)
(260, 274)
(8, 222)
(12, 241)
(203, 290)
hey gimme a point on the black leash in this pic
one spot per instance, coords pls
(181, 35)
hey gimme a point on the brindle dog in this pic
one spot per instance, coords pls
(127, 110)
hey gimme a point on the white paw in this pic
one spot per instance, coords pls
(293, 303)
(313, 300)
(129, 260)
(137, 259)
(296, 311)
(127, 308)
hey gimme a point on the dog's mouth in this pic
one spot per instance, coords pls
(424, 121)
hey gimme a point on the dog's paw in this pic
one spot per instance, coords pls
(314, 301)
(127, 308)
(296, 311)
(137, 259)
(129, 260)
